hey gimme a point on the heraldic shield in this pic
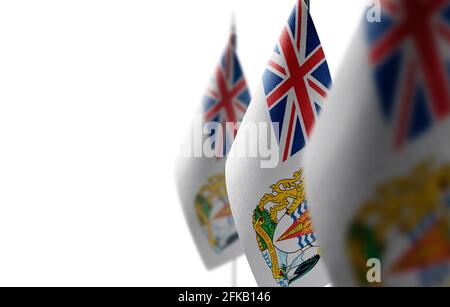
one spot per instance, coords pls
(407, 226)
(214, 214)
(284, 231)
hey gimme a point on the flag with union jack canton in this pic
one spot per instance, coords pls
(227, 97)
(390, 179)
(269, 203)
(296, 82)
(410, 53)
(201, 181)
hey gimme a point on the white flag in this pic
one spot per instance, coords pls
(381, 184)
(201, 171)
(264, 171)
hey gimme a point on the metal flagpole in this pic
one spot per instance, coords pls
(234, 273)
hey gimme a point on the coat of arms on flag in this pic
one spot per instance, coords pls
(296, 82)
(225, 101)
(385, 218)
(410, 52)
(414, 212)
(214, 213)
(284, 230)
(407, 224)
(200, 179)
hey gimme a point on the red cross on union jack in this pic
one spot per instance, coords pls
(228, 97)
(411, 54)
(296, 81)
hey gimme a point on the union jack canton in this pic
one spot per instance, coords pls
(227, 97)
(410, 53)
(296, 82)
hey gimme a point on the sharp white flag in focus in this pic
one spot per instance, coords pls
(267, 194)
(380, 185)
(201, 173)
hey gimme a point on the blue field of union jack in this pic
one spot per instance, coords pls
(296, 81)
(410, 53)
(227, 97)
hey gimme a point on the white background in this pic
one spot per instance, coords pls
(95, 97)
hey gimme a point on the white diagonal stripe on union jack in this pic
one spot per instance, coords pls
(227, 97)
(410, 53)
(296, 81)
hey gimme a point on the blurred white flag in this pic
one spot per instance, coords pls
(380, 185)
(266, 187)
(201, 171)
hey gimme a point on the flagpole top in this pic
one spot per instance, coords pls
(233, 39)
(233, 23)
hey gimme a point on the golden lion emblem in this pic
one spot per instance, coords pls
(286, 194)
(214, 188)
